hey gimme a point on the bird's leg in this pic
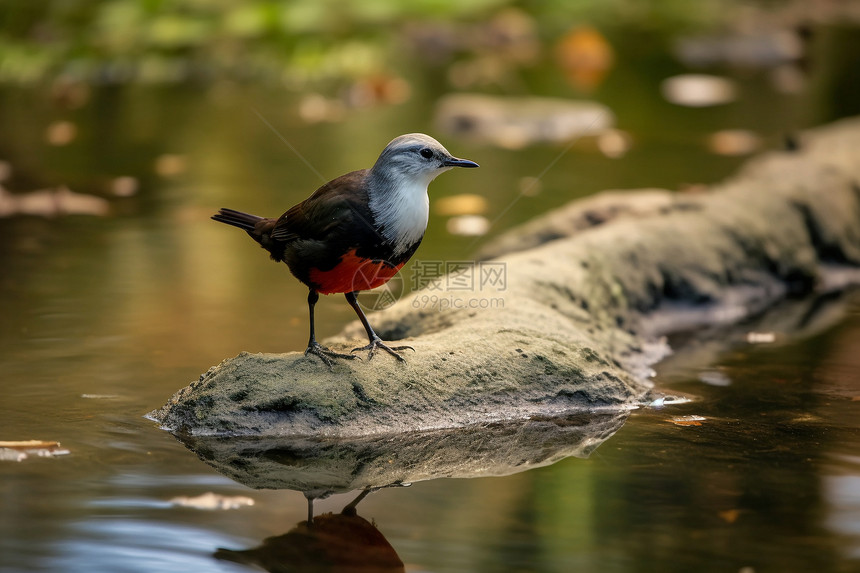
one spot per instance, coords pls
(350, 507)
(310, 510)
(315, 347)
(375, 341)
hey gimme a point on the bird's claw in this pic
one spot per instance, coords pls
(327, 355)
(377, 343)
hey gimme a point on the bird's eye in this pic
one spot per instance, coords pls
(426, 153)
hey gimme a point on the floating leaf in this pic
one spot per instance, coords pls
(17, 451)
(170, 165)
(692, 420)
(614, 143)
(585, 56)
(734, 142)
(698, 90)
(715, 378)
(469, 225)
(730, 515)
(212, 501)
(669, 401)
(761, 337)
(61, 133)
(464, 204)
(125, 186)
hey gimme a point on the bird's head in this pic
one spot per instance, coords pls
(417, 158)
(397, 186)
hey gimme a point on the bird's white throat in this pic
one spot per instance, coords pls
(402, 208)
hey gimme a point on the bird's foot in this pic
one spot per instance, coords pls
(325, 354)
(377, 343)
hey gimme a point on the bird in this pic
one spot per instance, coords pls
(355, 232)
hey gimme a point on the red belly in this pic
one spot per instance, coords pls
(353, 273)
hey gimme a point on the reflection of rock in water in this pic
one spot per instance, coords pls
(343, 542)
(320, 466)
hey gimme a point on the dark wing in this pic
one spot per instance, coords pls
(317, 232)
(332, 207)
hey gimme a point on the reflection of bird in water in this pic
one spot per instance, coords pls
(343, 542)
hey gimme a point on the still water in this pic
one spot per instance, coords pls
(766, 480)
(103, 318)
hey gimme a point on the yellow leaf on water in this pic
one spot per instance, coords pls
(730, 515)
(213, 501)
(464, 204)
(28, 444)
(61, 133)
(468, 225)
(687, 420)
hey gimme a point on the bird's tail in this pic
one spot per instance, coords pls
(244, 221)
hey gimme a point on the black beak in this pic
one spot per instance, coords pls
(454, 162)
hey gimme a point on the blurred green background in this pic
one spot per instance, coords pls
(167, 110)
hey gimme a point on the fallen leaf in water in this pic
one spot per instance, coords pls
(28, 444)
(669, 401)
(585, 56)
(614, 143)
(124, 186)
(698, 90)
(464, 204)
(761, 337)
(715, 378)
(734, 142)
(16, 451)
(730, 515)
(213, 501)
(692, 420)
(61, 133)
(469, 225)
(170, 165)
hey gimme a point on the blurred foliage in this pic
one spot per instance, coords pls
(296, 42)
